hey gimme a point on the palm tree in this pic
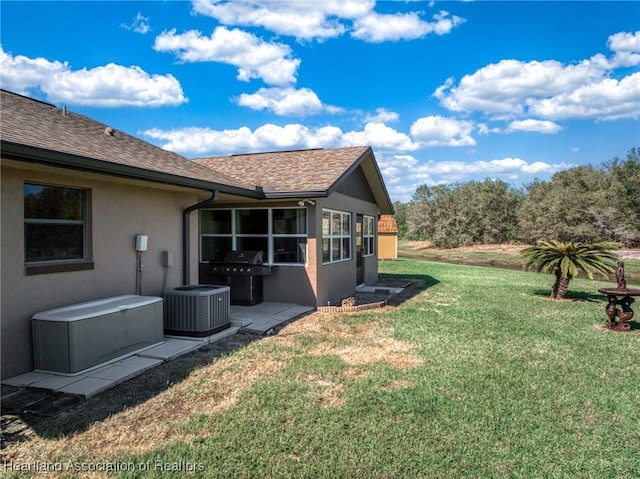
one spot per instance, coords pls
(566, 259)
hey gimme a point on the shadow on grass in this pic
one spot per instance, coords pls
(634, 327)
(573, 296)
(53, 415)
(580, 296)
(414, 285)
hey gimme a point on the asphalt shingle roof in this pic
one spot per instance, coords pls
(289, 171)
(387, 224)
(38, 124)
(33, 130)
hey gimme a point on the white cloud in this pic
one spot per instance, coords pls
(104, 86)
(302, 20)
(426, 132)
(253, 57)
(404, 161)
(506, 86)
(202, 141)
(381, 137)
(625, 42)
(404, 173)
(542, 167)
(205, 141)
(552, 90)
(286, 101)
(444, 23)
(322, 20)
(608, 99)
(539, 126)
(377, 28)
(394, 165)
(390, 171)
(626, 47)
(512, 168)
(208, 142)
(432, 131)
(140, 24)
(382, 116)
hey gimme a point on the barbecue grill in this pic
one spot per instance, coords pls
(243, 272)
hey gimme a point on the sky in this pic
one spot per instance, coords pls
(444, 92)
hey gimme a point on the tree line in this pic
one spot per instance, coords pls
(583, 204)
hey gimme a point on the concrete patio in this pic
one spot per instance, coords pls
(261, 318)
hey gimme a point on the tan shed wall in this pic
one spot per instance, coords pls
(387, 246)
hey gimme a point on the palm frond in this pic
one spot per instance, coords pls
(568, 258)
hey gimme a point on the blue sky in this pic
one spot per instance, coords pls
(443, 91)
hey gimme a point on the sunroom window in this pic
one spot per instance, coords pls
(280, 233)
(289, 236)
(368, 236)
(336, 236)
(252, 230)
(216, 234)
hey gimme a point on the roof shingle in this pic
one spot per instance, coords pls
(38, 124)
(289, 171)
(49, 133)
(387, 224)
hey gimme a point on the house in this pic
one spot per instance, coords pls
(316, 222)
(76, 193)
(387, 237)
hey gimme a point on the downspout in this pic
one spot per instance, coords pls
(186, 228)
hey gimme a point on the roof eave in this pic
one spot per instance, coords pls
(276, 195)
(33, 154)
(382, 199)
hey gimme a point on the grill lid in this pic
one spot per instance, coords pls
(243, 257)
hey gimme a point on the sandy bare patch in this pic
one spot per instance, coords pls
(354, 374)
(383, 351)
(397, 385)
(325, 393)
(362, 344)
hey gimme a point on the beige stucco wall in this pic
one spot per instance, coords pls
(120, 209)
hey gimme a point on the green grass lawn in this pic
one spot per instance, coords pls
(511, 385)
(475, 375)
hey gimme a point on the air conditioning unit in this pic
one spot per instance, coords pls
(196, 310)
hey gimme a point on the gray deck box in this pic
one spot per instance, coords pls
(72, 339)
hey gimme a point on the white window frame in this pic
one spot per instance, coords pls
(273, 235)
(329, 234)
(238, 236)
(270, 254)
(368, 236)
